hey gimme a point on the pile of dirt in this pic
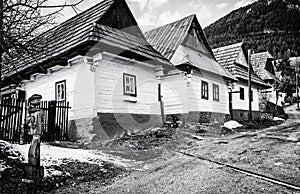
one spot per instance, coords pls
(65, 173)
(9, 157)
(68, 174)
(143, 140)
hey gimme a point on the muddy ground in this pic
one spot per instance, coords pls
(153, 164)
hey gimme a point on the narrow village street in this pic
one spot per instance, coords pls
(272, 152)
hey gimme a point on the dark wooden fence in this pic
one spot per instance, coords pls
(13, 127)
(11, 114)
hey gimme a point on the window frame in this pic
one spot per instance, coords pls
(63, 82)
(242, 94)
(204, 93)
(124, 85)
(216, 92)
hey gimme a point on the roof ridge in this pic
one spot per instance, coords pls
(238, 44)
(169, 24)
(101, 3)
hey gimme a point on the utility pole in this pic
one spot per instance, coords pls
(249, 86)
(297, 91)
(1, 44)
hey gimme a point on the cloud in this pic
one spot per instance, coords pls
(141, 3)
(149, 4)
(168, 17)
(148, 22)
(243, 3)
(222, 5)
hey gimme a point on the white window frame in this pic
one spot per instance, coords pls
(129, 85)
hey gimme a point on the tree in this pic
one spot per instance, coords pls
(20, 22)
(288, 77)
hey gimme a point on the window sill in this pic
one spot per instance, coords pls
(130, 99)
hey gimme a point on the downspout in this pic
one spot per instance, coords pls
(159, 72)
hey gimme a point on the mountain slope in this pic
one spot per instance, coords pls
(272, 25)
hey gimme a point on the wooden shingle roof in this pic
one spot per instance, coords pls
(166, 39)
(228, 57)
(184, 41)
(259, 64)
(99, 24)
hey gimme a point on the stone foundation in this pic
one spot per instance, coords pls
(199, 117)
(108, 125)
(242, 115)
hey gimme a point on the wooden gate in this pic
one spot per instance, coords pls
(11, 119)
(56, 121)
(13, 127)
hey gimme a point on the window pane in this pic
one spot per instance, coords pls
(58, 92)
(62, 92)
(242, 94)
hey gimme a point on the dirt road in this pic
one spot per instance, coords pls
(273, 152)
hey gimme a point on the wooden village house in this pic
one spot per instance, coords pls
(233, 58)
(198, 90)
(263, 66)
(100, 62)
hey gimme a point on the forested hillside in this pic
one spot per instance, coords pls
(272, 25)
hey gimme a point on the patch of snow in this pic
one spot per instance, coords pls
(232, 124)
(3, 166)
(52, 172)
(278, 164)
(278, 119)
(116, 160)
(52, 155)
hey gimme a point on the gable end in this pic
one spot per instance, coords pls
(120, 17)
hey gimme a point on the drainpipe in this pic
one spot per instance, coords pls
(159, 73)
(249, 86)
(230, 104)
(161, 102)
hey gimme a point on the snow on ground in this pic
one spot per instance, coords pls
(52, 155)
(232, 124)
(278, 119)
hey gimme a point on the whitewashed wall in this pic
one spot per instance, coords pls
(196, 103)
(79, 88)
(238, 104)
(174, 92)
(110, 97)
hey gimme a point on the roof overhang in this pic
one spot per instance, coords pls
(201, 61)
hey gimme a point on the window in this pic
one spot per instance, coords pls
(60, 90)
(204, 90)
(215, 92)
(129, 84)
(242, 93)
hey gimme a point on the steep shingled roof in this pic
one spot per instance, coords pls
(95, 25)
(184, 41)
(228, 57)
(259, 64)
(166, 39)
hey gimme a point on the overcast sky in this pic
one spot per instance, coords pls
(153, 13)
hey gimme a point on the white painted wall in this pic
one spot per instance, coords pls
(110, 97)
(271, 93)
(238, 104)
(79, 88)
(196, 103)
(180, 97)
(174, 92)
(241, 58)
